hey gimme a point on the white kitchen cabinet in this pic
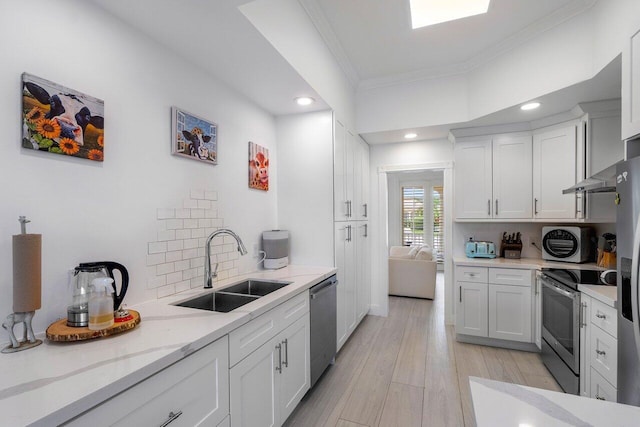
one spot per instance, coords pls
(363, 272)
(473, 308)
(341, 172)
(631, 87)
(510, 312)
(554, 169)
(346, 275)
(493, 177)
(191, 392)
(473, 179)
(268, 384)
(537, 318)
(361, 180)
(598, 349)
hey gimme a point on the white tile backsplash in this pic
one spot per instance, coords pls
(175, 258)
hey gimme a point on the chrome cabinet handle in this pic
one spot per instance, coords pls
(460, 293)
(601, 316)
(172, 418)
(365, 210)
(350, 213)
(600, 397)
(535, 206)
(496, 207)
(601, 352)
(279, 367)
(583, 316)
(285, 343)
(366, 230)
(489, 207)
(349, 233)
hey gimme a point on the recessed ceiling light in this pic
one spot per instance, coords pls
(304, 100)
(410, 135)
(430, 12)
(530, 106)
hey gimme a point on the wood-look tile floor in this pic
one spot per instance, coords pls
(408, 370)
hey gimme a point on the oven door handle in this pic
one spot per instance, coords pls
(557, 289)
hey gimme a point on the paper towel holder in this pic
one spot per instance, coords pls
(28, 337)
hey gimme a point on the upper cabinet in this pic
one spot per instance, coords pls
(631, 87)
(554, 169)
(351, 175)
(493, 177)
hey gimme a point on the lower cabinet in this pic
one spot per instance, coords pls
(268, 384)
(495, 303)
(191, 392)
(598, 350)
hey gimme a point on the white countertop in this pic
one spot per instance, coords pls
(605, 294)
(53, 382)
(497, 403)
(525, 263)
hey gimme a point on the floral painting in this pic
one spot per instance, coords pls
(258, 167)
(60, 120)
(194, 137)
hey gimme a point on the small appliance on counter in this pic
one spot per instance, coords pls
(511, 246)
(475, 249)
(275, 244)
(80, 283)
(607, 251)
(566, 243)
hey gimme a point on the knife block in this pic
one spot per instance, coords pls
(510, 250)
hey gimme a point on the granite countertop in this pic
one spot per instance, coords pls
(54, 382)
(497, 403)
(525, 263)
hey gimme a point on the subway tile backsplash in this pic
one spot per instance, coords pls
(175, 259)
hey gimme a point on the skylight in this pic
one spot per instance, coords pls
(430, 12)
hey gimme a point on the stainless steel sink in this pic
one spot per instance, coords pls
(255, 287)
(224, 302)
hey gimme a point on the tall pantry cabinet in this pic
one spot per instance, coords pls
(352, 231)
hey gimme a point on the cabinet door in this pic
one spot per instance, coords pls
(554, 169)
(340, 204)
(510, 312)
(604, 354)
(631, 88)
(538, 313)
(363, 268)
(585, 336)
(253, 389)
(364, 207)
(472, 179)
(601, 389)
(345, 264)
(295, 378)
(512, 177)
(472, 309)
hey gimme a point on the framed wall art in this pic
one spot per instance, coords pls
(258, 167)
(60, 120)
(194, 137)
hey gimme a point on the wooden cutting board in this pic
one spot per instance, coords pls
(60, 332)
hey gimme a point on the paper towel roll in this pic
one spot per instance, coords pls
(27, 272)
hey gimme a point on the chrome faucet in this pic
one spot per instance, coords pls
(208, 275)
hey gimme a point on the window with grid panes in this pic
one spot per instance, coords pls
(412, 215)
(438, 223)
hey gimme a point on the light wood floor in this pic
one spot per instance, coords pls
(408, 370)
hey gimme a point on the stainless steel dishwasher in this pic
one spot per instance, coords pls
(322, 313)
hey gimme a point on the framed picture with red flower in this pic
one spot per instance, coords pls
(60, 120)
(258, 167)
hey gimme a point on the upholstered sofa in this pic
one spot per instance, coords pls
(412, 272)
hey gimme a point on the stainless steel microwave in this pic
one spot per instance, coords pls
(566, 243)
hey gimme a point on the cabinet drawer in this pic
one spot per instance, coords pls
(510, 276)
(604, 354)
(248, 337)
(605, 317)
(472, 274)
(195, 388)
(601, 389)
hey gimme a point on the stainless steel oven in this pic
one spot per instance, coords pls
(561, 318)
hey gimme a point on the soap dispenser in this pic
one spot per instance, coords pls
(101, 304)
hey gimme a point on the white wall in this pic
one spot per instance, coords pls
(88, 211)
(305, 186)
(570, 53)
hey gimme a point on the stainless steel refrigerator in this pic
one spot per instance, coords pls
(628, 254)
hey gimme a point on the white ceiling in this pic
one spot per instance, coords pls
(372, 41)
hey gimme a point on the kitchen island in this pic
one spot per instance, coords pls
(58, 381)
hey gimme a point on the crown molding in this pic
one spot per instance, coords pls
(323, 26)
(554, 19)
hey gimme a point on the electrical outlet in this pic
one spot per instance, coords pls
(255, 250)
(535, 241)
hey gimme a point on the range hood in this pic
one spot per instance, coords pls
(601, 182)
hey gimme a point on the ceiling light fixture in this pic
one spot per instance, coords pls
(410, 135)
(530, 106)
(430, 12)
(304, 100)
